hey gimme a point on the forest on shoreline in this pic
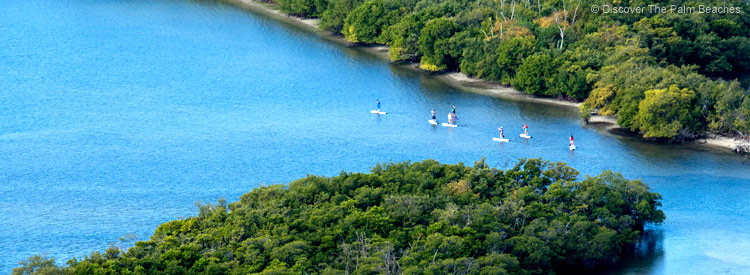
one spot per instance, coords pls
(667, 76)
(402, 218)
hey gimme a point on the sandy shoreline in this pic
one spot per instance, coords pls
(714, 141)
(494, 89)
(268, 9)
(606, 122)
(461, 80)
(721, 142)
(310, 24)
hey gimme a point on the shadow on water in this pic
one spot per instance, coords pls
(641, 258)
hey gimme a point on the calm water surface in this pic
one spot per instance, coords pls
(116, 116)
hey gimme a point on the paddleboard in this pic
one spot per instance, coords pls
(433, 122)
(501, 139)
(376, 112)
(524, 136)
(449, 125)
(572, 147)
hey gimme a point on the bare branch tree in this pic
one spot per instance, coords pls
(346, 257)
(561, 19)
(362, 245)
(505, 19)
(390, 260)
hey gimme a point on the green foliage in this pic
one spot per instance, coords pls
(534, 73)
(434, 41)
(412, 218)
(732, 108)
(38, 265)
(698, 40)
(510, 55)
(479, 59)
(404, 42)
(333, 17)
(664, 113)
(368, 22)
(404, 39)
(304, 8)
(573, 69)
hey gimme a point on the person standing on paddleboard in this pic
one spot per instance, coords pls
(571, 140)
(501, 132)
(433, 115)
(378, 102)
(525, 129)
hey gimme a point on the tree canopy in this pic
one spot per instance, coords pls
(402, 218)
(665, 112)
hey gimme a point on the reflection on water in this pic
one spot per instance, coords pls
(645, 256)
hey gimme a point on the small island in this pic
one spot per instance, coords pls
(402, 218)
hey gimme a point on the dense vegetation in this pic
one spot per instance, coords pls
(410, 218)
(559, 48)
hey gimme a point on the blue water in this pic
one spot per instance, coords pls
(116, 116)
